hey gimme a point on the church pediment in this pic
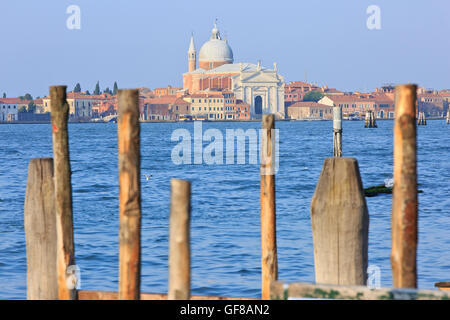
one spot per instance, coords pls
(260, 76)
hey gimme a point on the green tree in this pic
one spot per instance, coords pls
(116, 88)
(31, 107)
(97, 88)
(4, 94)
(77, 88)
(27, 96)
(313, 96)
(22, 109)
(88, 93)
(107, 91)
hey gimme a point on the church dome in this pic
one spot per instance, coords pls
(216, 49)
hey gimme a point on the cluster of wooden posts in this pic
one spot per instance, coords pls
(338, 212)
(421, 120)
(370, 121)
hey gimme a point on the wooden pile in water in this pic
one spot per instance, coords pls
(370, 121)
(422, 121)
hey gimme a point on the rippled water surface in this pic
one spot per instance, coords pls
(225, 223)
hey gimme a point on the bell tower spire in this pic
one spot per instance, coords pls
(192, 55)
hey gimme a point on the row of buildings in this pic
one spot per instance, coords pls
(172, 103)
(356, 104)
(217, 88)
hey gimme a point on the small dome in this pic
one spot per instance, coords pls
(216, 49)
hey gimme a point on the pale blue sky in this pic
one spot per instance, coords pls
(144, 43)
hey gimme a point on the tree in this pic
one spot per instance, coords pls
(22, 109)
(116, 88)
(107, 91)
(4, 94)
(97, 88)
(27, 96)
(313, 96)
(31, 107)
(77, 88)
(88, 93)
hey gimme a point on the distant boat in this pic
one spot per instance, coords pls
(200, 118)
(185, 117)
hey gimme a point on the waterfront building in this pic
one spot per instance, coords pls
(295, 91)
(80, 104)
(165, 108)
(260, 87)
(167, 91)
(432, 103)
(359, 103)
(209, 105)
(309, 110)
(9, 109)
(39, 103)
(242, 110)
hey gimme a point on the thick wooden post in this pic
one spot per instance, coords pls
(40, 231)
(337, 132)
(129, 195)
(340, 224)
(179, 250)
(63, 192)
(268, 215)
(404, 195)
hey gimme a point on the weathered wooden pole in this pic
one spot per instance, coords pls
(340, 224)
(63, 193)
(337, 131)
(40, 231)
(448, 116)
(374, 120)
(422, 121)
(179, 248)
(404, 196)
(268, 214)
(128, 132)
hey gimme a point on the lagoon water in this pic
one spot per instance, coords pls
(225, 226)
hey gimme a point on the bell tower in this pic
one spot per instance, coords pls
(192, 55)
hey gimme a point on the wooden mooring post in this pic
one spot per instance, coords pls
(421, 121)
(404, 196)
(337, 131)
(448, 116)
(269, 262)
(129, 195)
(40, 231)
(340, 224)
(179, 241)
(370, 121)
(65, 250)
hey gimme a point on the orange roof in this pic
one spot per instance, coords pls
(305, 104)
(162, 100)
(300, 84)
(14, 100)
(210, 94)
(351, 98)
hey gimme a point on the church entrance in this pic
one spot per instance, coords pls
(258, 106)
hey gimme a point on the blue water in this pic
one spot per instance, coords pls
(225, 234)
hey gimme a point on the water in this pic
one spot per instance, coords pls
(225, 225)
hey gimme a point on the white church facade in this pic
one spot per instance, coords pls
(262, 88)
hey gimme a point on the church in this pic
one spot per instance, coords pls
(262, 88)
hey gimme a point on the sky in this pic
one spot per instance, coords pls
(145, 43)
